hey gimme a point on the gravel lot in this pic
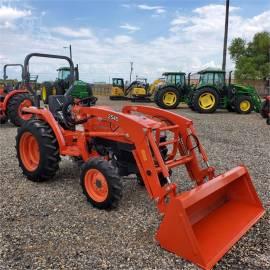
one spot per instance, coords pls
(51, 226)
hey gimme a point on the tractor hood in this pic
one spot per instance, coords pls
(243, 87)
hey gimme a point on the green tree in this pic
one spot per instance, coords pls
(252, 58)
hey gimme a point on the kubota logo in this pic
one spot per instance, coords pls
(113, 117)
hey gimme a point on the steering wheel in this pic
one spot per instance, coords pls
(67, 109)
(88, 101)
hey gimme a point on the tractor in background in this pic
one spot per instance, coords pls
(60, 85)
(13, 97)
(138, 91)
(212, 93)
(209, 94)
(175, 90)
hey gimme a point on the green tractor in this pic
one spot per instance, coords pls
(212, 93)
(76, 89)
(175, 90)
(59, 86)
(208, 95)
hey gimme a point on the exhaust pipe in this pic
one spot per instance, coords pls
(189, 74)
(230, 77)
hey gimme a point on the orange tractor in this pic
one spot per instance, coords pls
(12, 99)
(200, 225)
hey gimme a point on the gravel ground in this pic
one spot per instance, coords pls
(51, 226)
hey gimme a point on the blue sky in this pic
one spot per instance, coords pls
(107, 35)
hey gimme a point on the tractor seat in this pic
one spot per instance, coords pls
(56, 103)
(55, 106)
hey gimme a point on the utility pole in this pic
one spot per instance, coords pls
(131, 71)
(225, 35)
(70, 50)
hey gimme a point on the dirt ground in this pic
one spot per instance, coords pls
(50, 225)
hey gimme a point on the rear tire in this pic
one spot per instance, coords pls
(167, 98)
(210, 104)
(101, 183)
(244, 105)
(14, 107)
(42, 164)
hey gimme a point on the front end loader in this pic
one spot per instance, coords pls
(200, 225)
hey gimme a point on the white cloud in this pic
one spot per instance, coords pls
(9, 15)
(147, 7)
(73, 33)
(158, 10)
(177, 24)
(126, 5)
(208, 21)
(179, 20)
(120, 40)
(130, 28)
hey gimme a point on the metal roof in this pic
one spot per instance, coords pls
(173, 73)
(213, 70)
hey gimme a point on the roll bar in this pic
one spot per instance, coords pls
(26, 73)
(11, 65)
(29, 56)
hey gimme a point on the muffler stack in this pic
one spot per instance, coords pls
(201, 225)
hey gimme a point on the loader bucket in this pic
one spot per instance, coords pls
(201, 225)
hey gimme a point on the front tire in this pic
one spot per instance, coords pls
(37, 151)
(101, 183)
(167, 98)
(205, 100)
(14, 108)
(244, 105)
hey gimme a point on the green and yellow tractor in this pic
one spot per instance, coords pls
(59, 86)
(212, 92)
(176, 89)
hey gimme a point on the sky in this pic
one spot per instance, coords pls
(106, 35)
